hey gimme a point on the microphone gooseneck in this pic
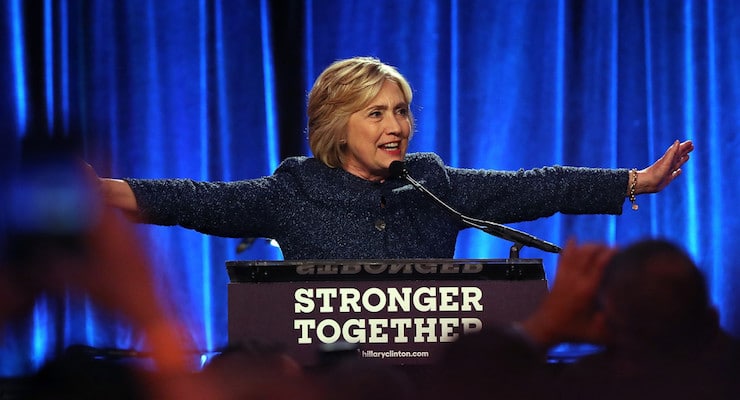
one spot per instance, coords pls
(397, 169)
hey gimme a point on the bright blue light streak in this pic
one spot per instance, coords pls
(689, 120)
(718, 283)
(41, 327)
(203, 85)
(650, 112)
(611, 229)
(64, 62)
(270, 106)
(223, 109)
(16, 26)
(205, 240)
(91, 331)
(556, 221)
(49, 63)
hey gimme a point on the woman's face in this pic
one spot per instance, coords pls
(378, 134)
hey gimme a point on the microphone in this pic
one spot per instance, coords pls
(397, 169)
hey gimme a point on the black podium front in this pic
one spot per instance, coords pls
(397, 311)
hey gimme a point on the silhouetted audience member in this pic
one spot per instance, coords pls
(662, 333)
(647, 304)
(495, 363)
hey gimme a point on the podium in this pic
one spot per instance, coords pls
(401, 312)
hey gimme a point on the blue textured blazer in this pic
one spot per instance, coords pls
(317, 212)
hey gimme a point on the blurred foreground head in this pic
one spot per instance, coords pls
(49, 210)
(58, 239)
(655, 301)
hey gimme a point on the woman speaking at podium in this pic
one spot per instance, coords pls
(343, 203)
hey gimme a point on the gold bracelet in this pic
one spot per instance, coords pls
(633, 173)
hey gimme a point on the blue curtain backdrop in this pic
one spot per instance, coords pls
(215, 90)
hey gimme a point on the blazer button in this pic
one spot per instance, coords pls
(379, 224)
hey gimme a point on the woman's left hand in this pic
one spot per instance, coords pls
(656, 177)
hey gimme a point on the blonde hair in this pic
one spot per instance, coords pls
(342, 89)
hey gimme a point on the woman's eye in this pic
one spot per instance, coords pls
(402, 111)
(375, 114)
